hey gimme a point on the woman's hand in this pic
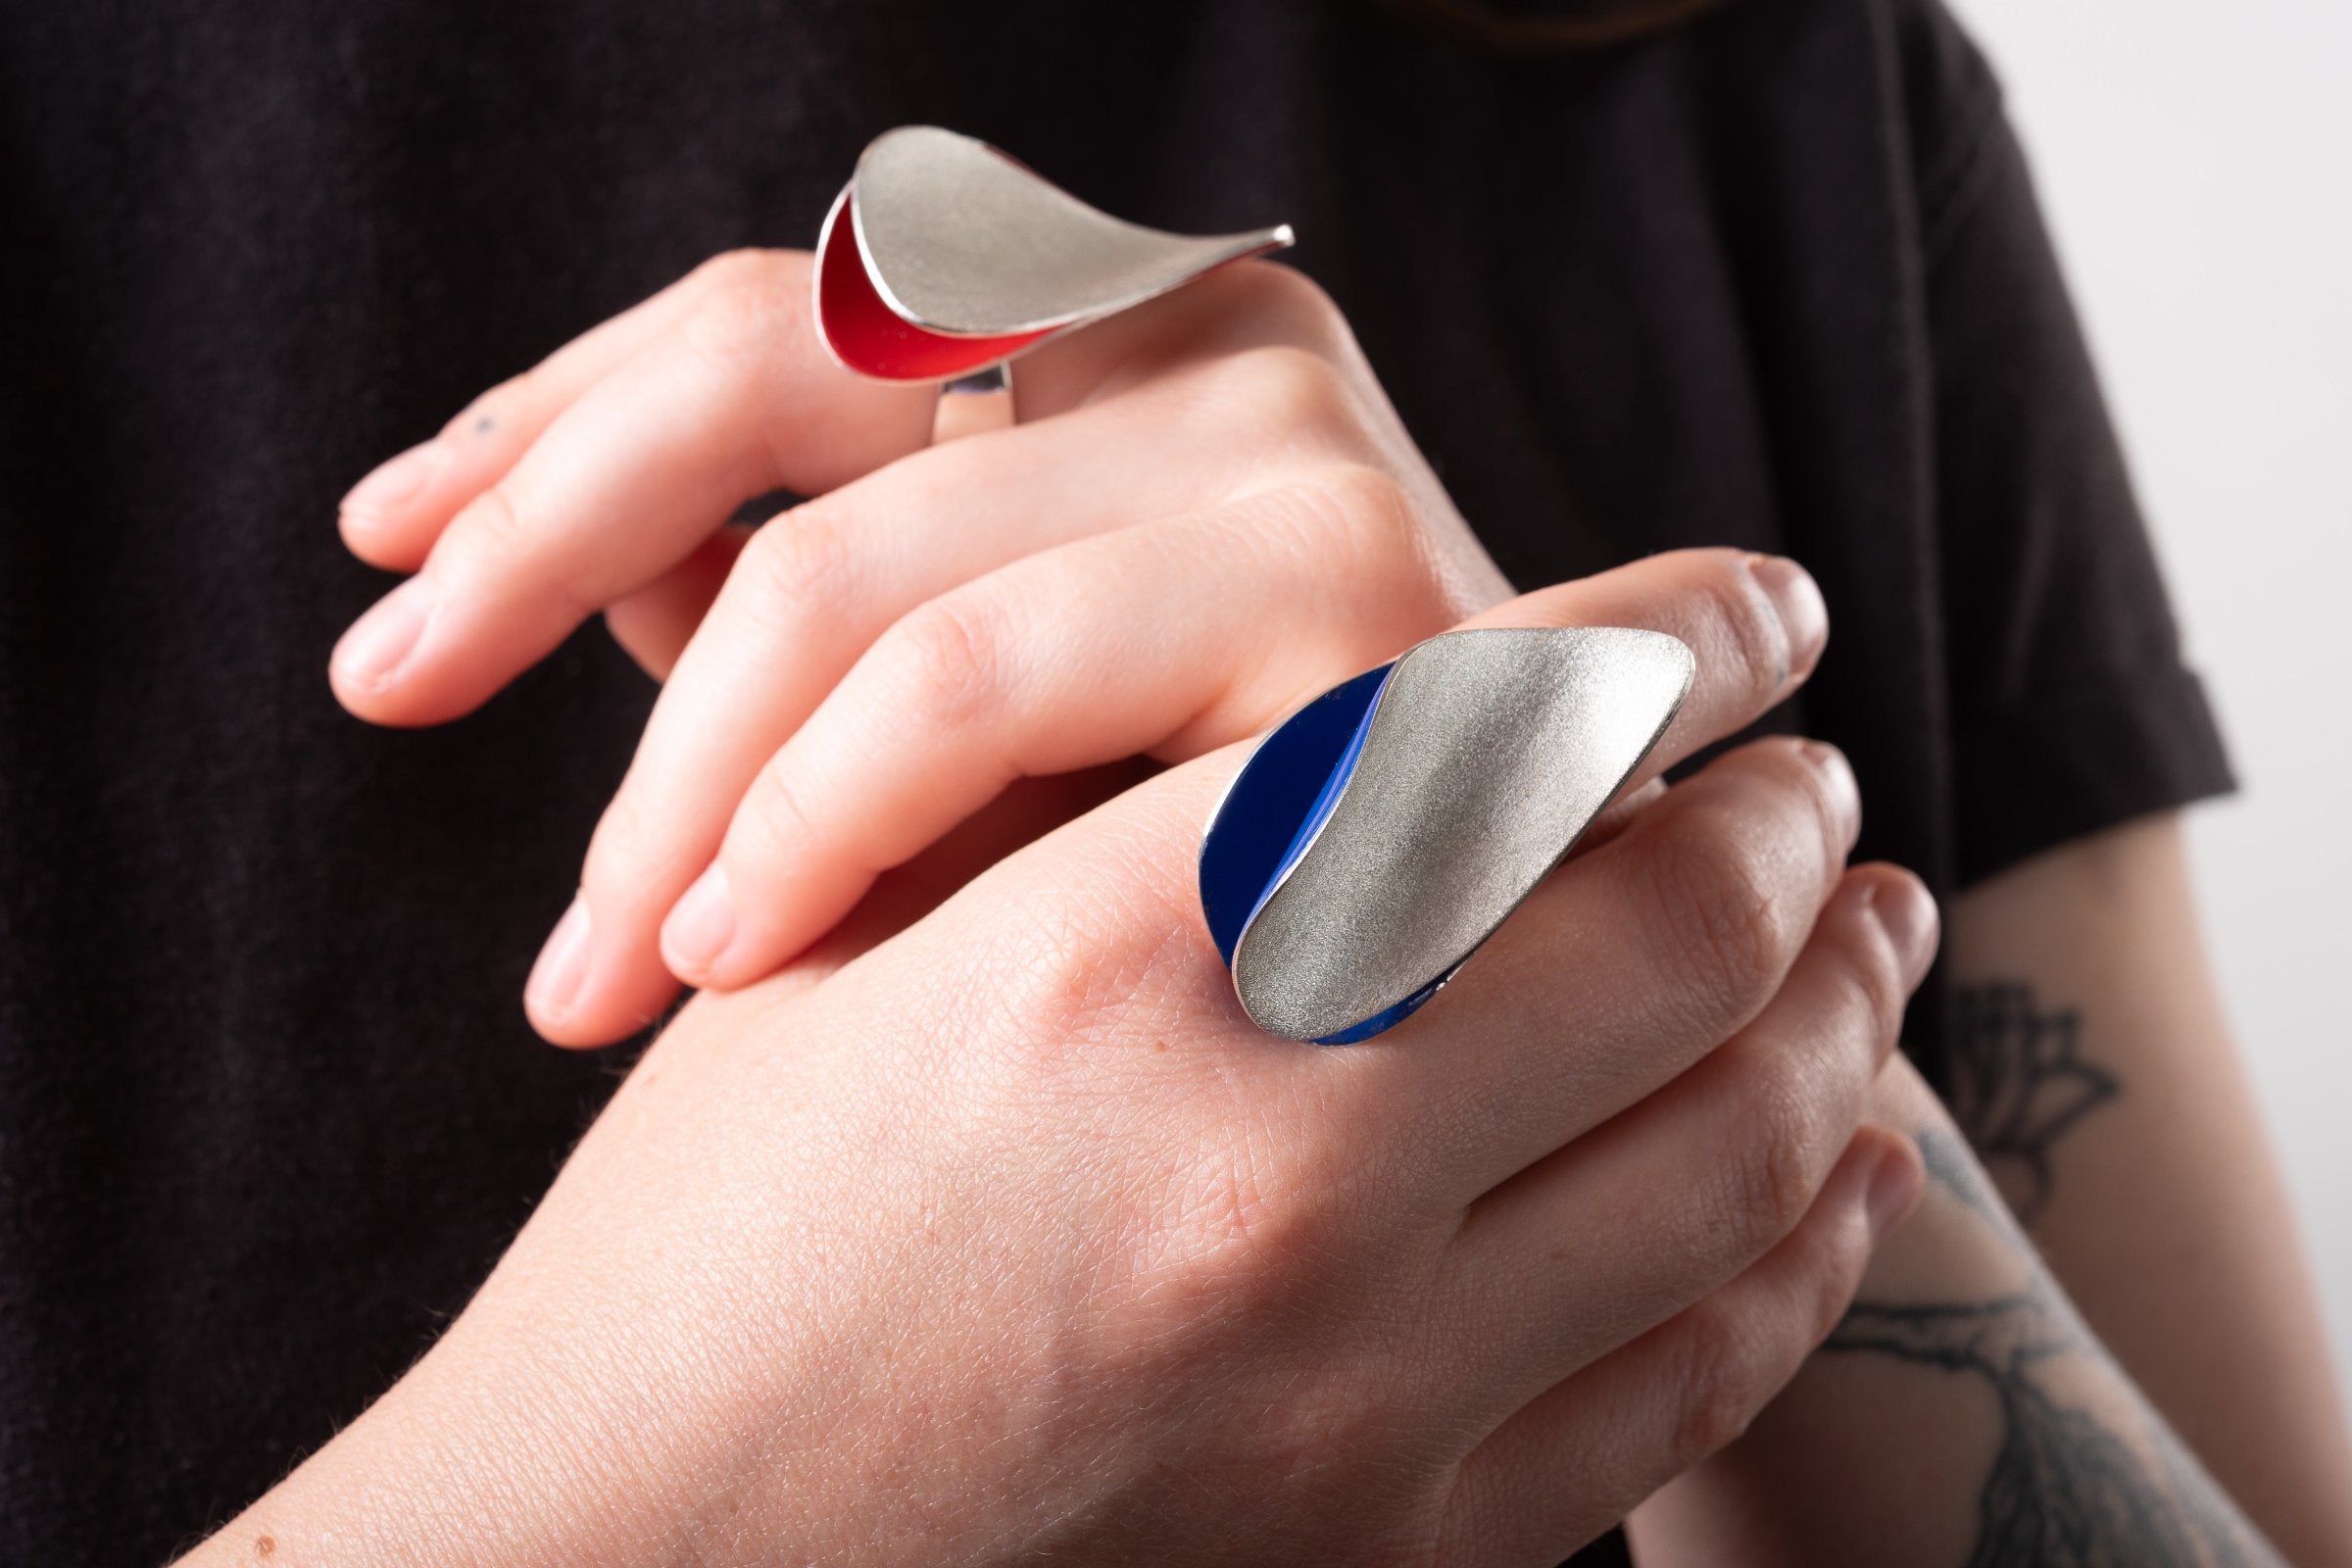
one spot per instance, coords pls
(1012, 1240)
(1208, 514)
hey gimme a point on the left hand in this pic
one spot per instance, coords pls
(1012, 1240)
(1208, 514)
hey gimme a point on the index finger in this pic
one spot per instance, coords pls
(734, 398)
(1756, 625)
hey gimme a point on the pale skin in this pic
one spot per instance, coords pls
(1239, 416)
(1005, 1236)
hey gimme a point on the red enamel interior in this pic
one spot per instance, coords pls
(873, 338)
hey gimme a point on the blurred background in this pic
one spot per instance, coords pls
(2196, 164)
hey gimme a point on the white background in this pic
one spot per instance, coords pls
(2195, 162)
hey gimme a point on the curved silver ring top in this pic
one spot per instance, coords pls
(1376, 838)
(943, 256)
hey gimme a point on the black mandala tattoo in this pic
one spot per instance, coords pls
(2019, 1083)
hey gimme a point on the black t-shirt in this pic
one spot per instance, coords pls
(268, 1109)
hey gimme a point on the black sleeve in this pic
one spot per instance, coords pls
(2070, 709)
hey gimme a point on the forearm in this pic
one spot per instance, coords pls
(1961, 1413)
(446, 1469)
(2091, 1068)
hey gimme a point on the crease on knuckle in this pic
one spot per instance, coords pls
(948, 660)
(1064, 968)
(1719, 1383)
(776, 811)
(494, 547)
(622, 851)
(1827, 1278)
(1869, 980)
(1110, 930)
(744, 318)
(1250, 1236)
(1399, 549)
(1356, 533)
(1370, 511)
(795, 569)
(1714, 893)
(1774, 1166)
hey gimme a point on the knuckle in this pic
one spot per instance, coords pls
(493, 541)
(1719, 1383)
(946, 658)
(1827, 1286)
(1372, 507)
(1107, 929)
(777, 815)
(1366, 531)
(794, 568)
(1773, 1165)
(1717, 898)
(1744, 627)
(1058, 972)
(1273, 303)
(1281, 388)
(746, 269)
(1868, 973)
(744, 306)
(622, 845)
(1286, 295)
(1253, 1230)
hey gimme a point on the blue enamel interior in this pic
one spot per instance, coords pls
(1283, 794)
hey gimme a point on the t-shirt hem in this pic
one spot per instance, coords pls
(2094, 759)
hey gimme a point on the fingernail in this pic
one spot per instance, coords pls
(1909, 918)
(1837, 777)
(396, 482)
(700, 925)
(562, 963)
(1895, 1186)
(1796, 598)
(372, 649)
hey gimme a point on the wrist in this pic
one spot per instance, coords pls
(459, 1465)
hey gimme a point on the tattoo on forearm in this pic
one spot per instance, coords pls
(2019, 1081)
(2065, 1488)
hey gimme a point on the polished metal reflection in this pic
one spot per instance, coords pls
(1488, 756)
(960, 238)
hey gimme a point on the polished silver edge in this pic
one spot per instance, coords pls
(1307, 851)
(1236, 247)
(817, 284)
(1239, 247)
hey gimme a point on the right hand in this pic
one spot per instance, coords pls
(1208, 495)
(1011, 1239)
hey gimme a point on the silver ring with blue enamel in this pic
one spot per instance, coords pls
(1378, 837)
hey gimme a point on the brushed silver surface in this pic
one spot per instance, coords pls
(959, 238)
(1490, 753)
